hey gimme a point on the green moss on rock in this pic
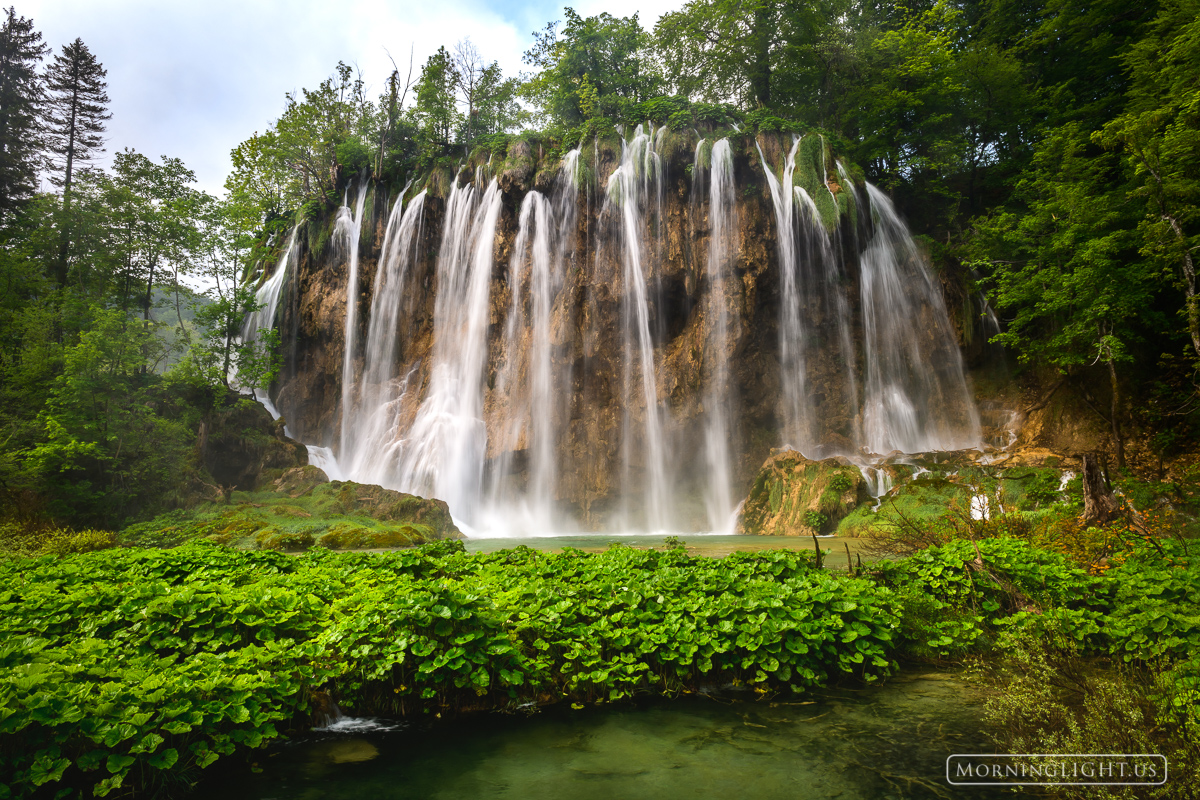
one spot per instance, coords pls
(794, 496)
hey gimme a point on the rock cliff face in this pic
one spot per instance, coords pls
(599, 416)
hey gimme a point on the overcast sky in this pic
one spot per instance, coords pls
(193, 79)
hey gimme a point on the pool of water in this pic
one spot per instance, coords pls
(709, 544)
(876, 743)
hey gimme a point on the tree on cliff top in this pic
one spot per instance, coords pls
(591, 68)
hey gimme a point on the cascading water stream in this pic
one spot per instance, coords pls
(370, 453)
(824, 298)
(442, 454)
(916, 397)
(267, 295)
(626, 196)
(719, 406)
(797, 411)
(526, 403)
(347, 229)
(263, 318)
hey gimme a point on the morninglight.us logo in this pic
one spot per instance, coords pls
(1057, 769)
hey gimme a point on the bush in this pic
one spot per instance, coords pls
(19, 540)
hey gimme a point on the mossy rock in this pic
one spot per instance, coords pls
(348, 536)
(312, 508)
(794, 496)
(300, 481)
(286, 541)
(240, 445)
(387, 505)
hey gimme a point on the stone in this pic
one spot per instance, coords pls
(299, 481)
(388, 505)
(795, 496)
(239, 441)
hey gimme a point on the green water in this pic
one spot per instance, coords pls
(887, 741)
(704, 544)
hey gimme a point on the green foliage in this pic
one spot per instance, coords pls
(21, 50)
(112, 442)
(595, 67)
(22, 540)
(138, 668)
(1071, 277)
(841, 482)
(1159, 137)
(1046, 696)
(436, 111)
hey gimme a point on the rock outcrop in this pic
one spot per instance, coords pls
(243, 448)
(795, 496)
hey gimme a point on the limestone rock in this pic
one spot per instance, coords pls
(239, 442)
(794, 496)
(300, 480)
(388, 505)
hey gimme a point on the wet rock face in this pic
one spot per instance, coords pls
(598, 381)
(794, 496)
(242, 447)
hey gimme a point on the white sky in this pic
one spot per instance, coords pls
(193, 79)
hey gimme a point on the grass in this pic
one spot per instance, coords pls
(329, 516)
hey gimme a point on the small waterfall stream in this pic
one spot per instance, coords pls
(718, 402)
(916, 396)
(371, 453)
(442, 454)
(629, 190)
(347, 230)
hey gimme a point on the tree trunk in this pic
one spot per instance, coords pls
(1115, 419)
(1189, 284)
(1099, 505)
(64, 247)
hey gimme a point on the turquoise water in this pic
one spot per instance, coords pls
(888, 741)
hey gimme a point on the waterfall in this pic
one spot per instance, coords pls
(442, 454)
(916, 396)
(628, 187)
(486, 375)
(370, 452)
(346, 231)
(264, 318)
(827, 308)
(267, 295)
(797, 412)
(719, 406)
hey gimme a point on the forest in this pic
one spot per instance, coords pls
(1050, 154)
(1046, 156)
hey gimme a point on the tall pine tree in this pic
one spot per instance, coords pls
(77, 111)
(21, 53)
